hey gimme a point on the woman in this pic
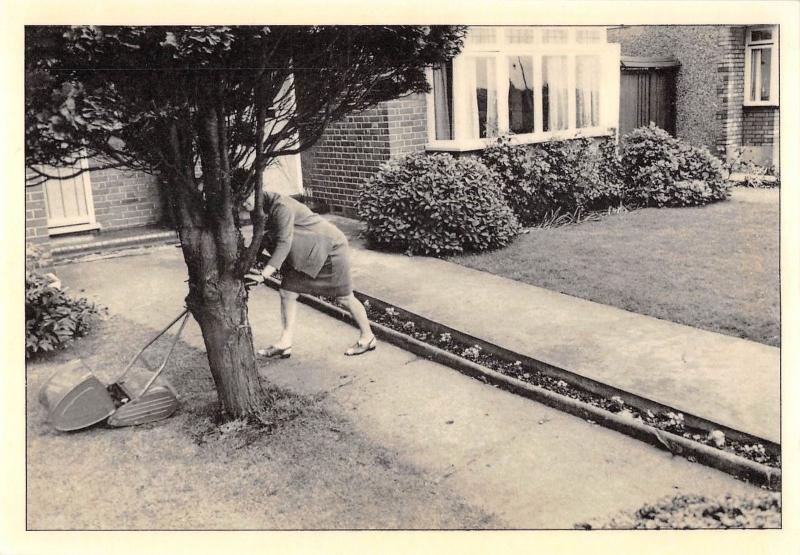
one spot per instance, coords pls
(313, 257)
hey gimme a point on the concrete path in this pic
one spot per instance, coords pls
(530, 465)
(724, 379)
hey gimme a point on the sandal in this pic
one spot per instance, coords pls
(271, 352)
(360, 348)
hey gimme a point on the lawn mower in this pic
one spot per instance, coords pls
(76, 399)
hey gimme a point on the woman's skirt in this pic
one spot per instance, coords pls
(333, 279)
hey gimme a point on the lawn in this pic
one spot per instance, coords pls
(309, 470)
(713, 267)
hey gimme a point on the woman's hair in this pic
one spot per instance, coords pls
(269, 200)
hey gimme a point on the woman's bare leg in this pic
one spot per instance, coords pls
(359, 314)
(288, 318)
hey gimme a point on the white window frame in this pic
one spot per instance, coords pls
(501, 50)
(750, 45)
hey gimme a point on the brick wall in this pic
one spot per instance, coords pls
(759, 124)
(760, 136)
(698, 81)
(36, 222)
(352, 150)
(730, 91)
(408, 130)
(348, 152)
(125, 199)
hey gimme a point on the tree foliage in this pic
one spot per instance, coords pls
(207, 109)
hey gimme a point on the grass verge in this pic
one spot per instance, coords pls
(713, 267)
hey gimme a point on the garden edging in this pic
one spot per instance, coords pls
(738, 466)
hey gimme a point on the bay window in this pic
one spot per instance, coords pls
(761, 67)
(533, 83)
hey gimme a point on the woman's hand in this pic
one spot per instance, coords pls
(267, 271)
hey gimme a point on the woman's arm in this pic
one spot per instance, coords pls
(282, 228)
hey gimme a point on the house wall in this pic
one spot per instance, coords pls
(36, 234)
(698, 81)
(121, 200)
(353, 149)
(710, 87)
(760, 136)
(407, 124)
(348, 152)
(125, 199)
(730, 91)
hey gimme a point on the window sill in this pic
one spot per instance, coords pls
(530, 138)
(747, 104)
(75, 228)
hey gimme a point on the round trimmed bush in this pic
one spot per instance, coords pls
(435, 204)
(661, 170)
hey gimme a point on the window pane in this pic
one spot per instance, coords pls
(554, 92)
(550, 36)
(587, 91)
(762, 35)
(482, 35)
(584, 36)
(485, 99)
(755, 62)
(443, 100)
(519, 35)
(520, 94)
(766, 69)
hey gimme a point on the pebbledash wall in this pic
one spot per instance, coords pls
(709, 87)
(353, 149)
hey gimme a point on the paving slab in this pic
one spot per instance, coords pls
(530, 465)
(731, 381)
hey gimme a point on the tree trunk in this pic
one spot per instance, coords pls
(220, 309)
(217, 300)
(212, 246)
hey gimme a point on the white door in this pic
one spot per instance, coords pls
(284, 175)
(69, 201)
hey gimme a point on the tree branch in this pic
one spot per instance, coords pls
(257, 216)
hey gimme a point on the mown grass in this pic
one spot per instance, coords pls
(308, 469)
(714, 267)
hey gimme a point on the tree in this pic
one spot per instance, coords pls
(207, 109)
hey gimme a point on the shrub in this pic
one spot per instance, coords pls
(661, 170)
(36, 258)
(52, 318)
(558, 177)
(519, 175)
(757, 510)
(752, 175)
(437, 205)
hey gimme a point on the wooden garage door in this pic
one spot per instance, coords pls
(647, 94)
